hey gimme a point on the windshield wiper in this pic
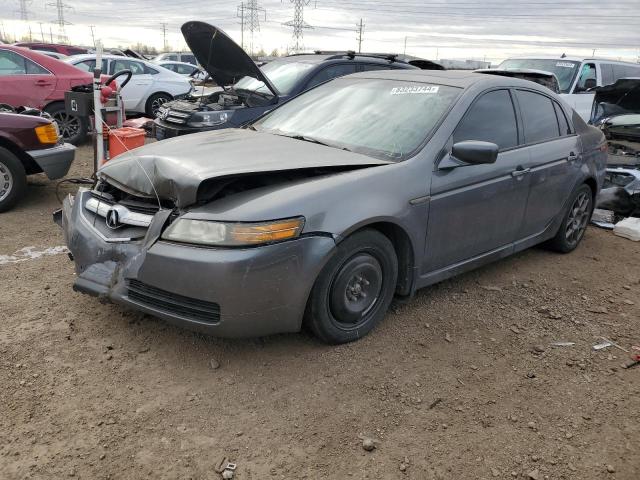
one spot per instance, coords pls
(305, 138)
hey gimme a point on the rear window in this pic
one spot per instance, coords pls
(538, 117)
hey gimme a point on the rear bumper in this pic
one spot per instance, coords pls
(56, 161)
(223, 292)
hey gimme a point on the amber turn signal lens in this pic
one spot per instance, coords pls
(264, 233)
(47, 133)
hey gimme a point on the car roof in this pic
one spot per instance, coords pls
(452, 78)
(174, 62)
(358, 58)
(571, 59)
(92, 56)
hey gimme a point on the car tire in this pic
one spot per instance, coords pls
(72, 127)
(13, 180)
(575, 221)
(354, 289)
(154, 102)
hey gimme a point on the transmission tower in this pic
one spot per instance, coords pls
(250, 14)
(24, 11)
(298, 24)
(61, 7)
(164, 36)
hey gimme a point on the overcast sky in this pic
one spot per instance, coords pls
(474, 29)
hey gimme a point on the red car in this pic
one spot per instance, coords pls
(53, 47)
(29, 144)
(29, 78)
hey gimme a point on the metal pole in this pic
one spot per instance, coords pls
(361, 27)
(41, 32)
(405, 45)
(97, 108)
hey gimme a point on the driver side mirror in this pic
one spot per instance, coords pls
(475, 152)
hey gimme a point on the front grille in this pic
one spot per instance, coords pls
(172, 303)
(143, 205)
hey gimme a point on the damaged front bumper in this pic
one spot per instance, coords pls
(226, 292)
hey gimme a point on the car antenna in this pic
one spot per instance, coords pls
(564, 55)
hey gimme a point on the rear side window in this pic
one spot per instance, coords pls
(368, 67)
(562, 121)
(538, 117)
(184, 70)
(13, 64)
(606, 72)
(491, 118)
(331, 72)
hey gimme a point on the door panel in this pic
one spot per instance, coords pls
(134, 93)
(23, 82)
(475, 209)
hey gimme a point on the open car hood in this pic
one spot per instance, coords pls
(541, 77)
(223, 59)
(178, 167)
(619, 98)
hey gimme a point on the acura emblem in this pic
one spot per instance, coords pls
(164, 114)
(112, 219)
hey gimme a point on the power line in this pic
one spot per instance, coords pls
(298, 24)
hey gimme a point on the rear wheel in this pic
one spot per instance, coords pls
(575, 221)
(354, 290)
(155, 101)
(72, 128)
(13, 180)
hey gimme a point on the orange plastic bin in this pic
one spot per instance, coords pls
(124, 139)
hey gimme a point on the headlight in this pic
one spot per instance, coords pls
(47, 133)
(210, 119)
(227, 234)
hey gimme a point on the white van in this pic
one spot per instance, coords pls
(576, 75)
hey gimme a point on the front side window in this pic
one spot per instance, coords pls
(538, 117)
(185, 70)
(587, 78)
(89, 65)
(189, 59)
(386, 119)
(333, 71)
(491, 118)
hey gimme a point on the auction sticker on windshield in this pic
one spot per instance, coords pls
(565, 64)
(414, 89)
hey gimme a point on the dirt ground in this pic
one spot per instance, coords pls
(461, 382)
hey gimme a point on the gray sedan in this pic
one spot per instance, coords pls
(367, 187)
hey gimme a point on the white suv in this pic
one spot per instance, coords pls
(577, 75)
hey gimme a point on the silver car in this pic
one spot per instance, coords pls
(367, 187)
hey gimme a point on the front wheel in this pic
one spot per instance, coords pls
(575, 221)
(354, 290)
(13, 180)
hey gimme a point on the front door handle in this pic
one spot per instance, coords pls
(572, 157)
(520, 172)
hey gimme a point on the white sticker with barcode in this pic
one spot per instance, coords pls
(565, 64)
(414, 89)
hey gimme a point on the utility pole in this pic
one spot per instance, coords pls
(60, 8)
(405, 45)
(93, 37)
(41, 32)
(164, 36)
(360, 31)
(50, 34)
(30, 36)
(298, 24)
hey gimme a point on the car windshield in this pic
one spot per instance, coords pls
(386, 119)
(283, 75)
(564, 70)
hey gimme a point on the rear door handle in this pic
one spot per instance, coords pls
(520, 172)
(43, 83)
(572, 157)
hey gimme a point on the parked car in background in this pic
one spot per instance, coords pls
(181, 68)
(185, 57)
(29, 144)
(53, 47)
(248, 91)
(366, 187)
(546, 79)
(30, 78)
(150, 87)
(57, 56)
(577, 76)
